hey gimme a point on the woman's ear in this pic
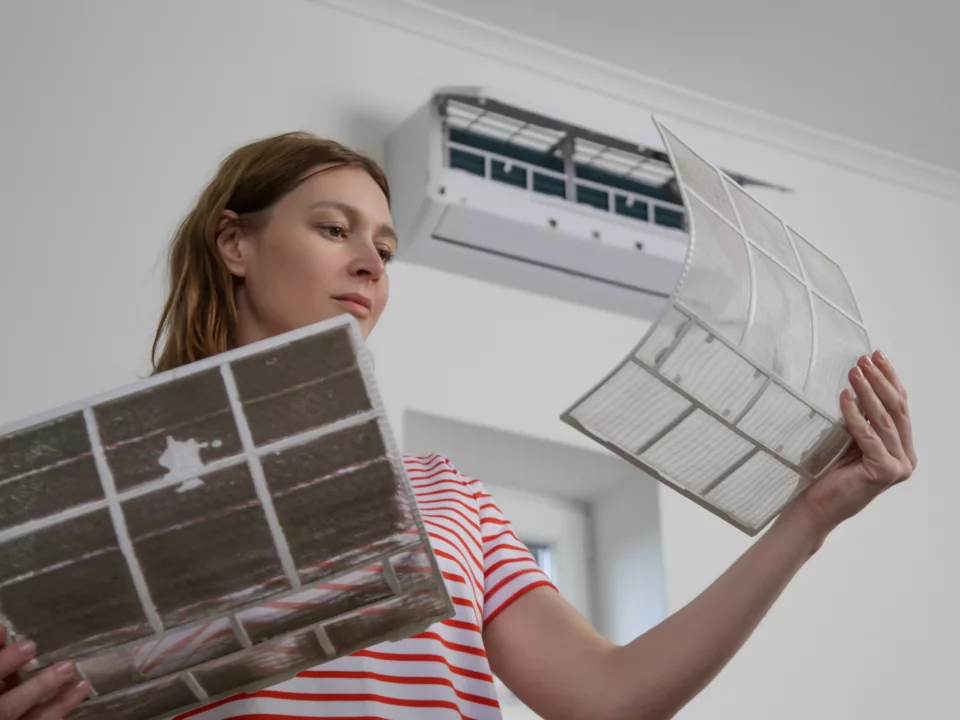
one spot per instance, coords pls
(230, 243)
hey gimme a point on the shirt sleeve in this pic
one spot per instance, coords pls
(509, 570)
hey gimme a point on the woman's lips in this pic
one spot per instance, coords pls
(356, 305)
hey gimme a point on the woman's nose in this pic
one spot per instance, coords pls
(366, 260)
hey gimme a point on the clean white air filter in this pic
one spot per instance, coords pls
(732, 397)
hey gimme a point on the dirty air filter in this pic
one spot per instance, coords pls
(732, 397)
(214, 529)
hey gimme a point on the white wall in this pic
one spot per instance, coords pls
(629, 560)
(114, 112)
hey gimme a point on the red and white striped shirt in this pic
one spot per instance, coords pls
(443, 672)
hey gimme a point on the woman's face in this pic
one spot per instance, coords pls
(322, 252)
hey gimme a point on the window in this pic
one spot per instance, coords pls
(543, 555)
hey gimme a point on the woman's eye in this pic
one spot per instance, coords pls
(334, 231)
(386, 256)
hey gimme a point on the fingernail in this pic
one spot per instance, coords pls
(858, 372)
(881, 357)
(82, 686)
(64, 670)
(867, 361)
(27, 649)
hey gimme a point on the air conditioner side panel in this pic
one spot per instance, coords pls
(413, 164)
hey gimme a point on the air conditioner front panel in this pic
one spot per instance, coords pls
(552, 247)
(482, 265)
(545, 261)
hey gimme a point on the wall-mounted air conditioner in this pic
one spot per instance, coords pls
(509, 195)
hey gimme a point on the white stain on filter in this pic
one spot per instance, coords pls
(182, 459)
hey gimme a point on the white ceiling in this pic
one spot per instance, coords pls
(885, 74)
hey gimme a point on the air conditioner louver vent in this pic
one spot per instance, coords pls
(517, 152)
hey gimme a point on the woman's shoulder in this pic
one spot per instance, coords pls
(436, 469)
(429, 463)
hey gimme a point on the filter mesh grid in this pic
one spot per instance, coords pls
(233, 522)
(732, 397)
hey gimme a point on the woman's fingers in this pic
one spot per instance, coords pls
(860, 430)
(14, 657)
(896, 403)
(873, 407)
(30, 694)
(62, 703)
(48, 695)
(887, 368)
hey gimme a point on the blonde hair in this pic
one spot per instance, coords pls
(199, 317)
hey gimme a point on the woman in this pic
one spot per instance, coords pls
(293, 230)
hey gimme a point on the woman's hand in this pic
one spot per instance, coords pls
(883, 453)
(48, 695)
